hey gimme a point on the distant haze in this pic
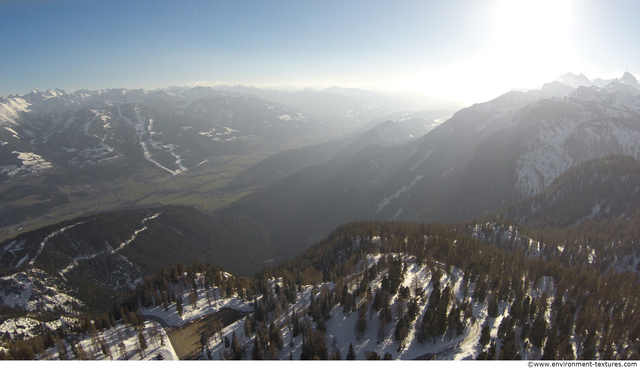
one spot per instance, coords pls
(467, 51)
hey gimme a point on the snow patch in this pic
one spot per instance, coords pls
(60, 231)
(384, 202)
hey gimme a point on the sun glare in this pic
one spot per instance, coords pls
(534, 36)
(526, 44)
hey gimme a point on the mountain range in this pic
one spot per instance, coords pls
(483, 158)
(548, 177)
(64, 155)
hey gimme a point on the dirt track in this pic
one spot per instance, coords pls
(186, 339)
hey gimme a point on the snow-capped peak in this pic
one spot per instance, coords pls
(629, 79)
(574, 80)
(10, 109)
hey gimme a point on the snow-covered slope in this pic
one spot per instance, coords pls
(604, 188)
(38, 292)
(173, 130)
(590, 123)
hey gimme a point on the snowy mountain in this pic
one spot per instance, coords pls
(64, 154)
(604, 188)
(575, 81)
(386, 133)
(342, 109)
(173, 130)
(483, 158)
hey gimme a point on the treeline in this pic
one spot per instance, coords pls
(23, 347)
(602, 245)
(165, 288)
(170, 285)
(598, 189)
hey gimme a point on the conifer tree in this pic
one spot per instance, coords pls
(247, 326)
(179, 306)
(492, 309)
(372, 355)
(123, 350)
(63, 354)
(256, 353)
(550, 345)
(106, 351)
(236, 349)
(141, 340)
(485, 335)
(79, 352)
(275, 336)
(351, 355)
(193, 299)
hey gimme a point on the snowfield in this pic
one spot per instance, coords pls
(110, 340)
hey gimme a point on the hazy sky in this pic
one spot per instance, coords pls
(466, 50)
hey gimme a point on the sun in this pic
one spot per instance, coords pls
(532, 25)
(522, 44)
(532, 35)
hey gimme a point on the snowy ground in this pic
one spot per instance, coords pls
(25, 327)
(129, 337)
(202, 308)
(340, 332)
(340, 328)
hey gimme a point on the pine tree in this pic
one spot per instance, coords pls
(401, 331)
(538, 331)
(492, 309)
(79, 352)
(351, 355)
(236, 349)
(247, 326)
(550, 345)
(372, 355)
(141, 340)
(106, 351)
(193, 299)
(275, 336)
(382, 331)
(123, 350)
(179, 306)
(63, 354)
(485, 335)
(140, 350)
(257, 353)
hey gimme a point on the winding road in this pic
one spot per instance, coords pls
(157, 320)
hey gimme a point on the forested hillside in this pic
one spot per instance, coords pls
(402, 291)
(604, 188)
(93, 260)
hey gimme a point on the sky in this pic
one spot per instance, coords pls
(464, 50)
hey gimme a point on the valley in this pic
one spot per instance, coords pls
(202, 188)
(320, 180)
(134, 148)
(252, 230)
